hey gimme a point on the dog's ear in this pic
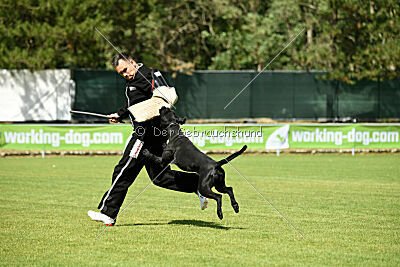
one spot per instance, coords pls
(181, 120)
(163, 108)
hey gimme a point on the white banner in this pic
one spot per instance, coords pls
(44, 95)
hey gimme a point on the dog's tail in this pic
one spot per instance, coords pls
(231, 157)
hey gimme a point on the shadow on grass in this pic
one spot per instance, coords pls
(184, 222)
(139, 224)
(203, 224)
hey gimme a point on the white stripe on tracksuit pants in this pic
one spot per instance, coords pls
(127, 169)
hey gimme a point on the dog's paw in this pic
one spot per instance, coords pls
(235, 207)
(146, 153)
(220, 216)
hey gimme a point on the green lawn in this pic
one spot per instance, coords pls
(347, 207)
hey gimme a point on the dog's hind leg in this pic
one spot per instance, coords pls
(228, 190)
(207, 192)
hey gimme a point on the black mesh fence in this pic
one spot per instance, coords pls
(276, 95)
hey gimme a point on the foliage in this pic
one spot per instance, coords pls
(349, 39)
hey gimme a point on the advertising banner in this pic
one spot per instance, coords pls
(204, 136)
(344, 136)
(234, 137)
(64, 137)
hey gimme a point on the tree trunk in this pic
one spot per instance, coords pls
(309, 35)
(133, 50)
(332, 65)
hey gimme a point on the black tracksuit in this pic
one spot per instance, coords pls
(127, 169)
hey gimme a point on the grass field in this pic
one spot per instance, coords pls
(347, 207)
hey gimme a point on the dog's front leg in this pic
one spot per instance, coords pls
(164, 146)
(167, 157)
(148, 155)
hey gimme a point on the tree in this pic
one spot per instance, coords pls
(352, 40)
(57, 34)
(348, 39)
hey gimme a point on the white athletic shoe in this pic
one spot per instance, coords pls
(203, 201)
(100, 217)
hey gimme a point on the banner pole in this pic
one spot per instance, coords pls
(44, 145)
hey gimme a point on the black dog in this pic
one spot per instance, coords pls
(187, 157)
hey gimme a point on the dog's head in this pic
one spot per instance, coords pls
(168, 117)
